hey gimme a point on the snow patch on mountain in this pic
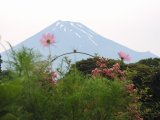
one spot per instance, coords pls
(61, 25)
(64, 29)
(57, 23)
(93, 41)
(70, 30)
(77, 35)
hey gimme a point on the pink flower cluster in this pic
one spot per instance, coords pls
(110, 73)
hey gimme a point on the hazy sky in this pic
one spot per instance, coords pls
(133, 23)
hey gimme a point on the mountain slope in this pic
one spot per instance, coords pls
(74, 35)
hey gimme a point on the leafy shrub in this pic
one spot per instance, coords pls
(144, 75)
(29, 95)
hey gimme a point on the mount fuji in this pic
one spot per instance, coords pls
(71, 36)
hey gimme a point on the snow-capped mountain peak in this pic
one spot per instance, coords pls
(74, 28)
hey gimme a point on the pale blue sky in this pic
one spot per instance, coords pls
(133, 23)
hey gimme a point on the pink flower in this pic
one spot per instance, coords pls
(122, 78)
(47, 39)
(109, 73)
(130, 88)
(96, 72)
(116, 67)
(121, 73)
(53, 74)
(124, 56)
(101, 62)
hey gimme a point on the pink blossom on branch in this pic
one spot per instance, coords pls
(53, 74)
(116, 67)
(96, 72)
(111, 73)
(124, 56)
(51, 78)
(130, 88)
(47, 39)
(101, 62)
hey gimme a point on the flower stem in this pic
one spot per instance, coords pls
(50, 58)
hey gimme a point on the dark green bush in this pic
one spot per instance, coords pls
(145, 75)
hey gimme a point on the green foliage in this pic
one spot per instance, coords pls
(9, 116)
(151, 62)
(74, 97)
(105, 99)
(86, 66)
(25, 61)
(23, 68)
(64, 66)
(87, 99)
(35, 101)
(9, 91)
(145, 75)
